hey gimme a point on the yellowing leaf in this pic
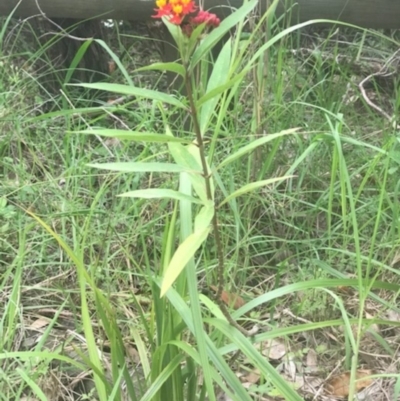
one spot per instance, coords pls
(183, 157)
(218, 75)
(203, 219)
(181, 257)
(195, 152)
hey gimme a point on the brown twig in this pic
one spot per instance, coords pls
(63, 31)
(383, 72)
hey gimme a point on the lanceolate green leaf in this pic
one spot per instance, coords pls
(76, 60)
(84, 280)
(181, 257)
(285, 32)
(117, 61)
(183, 157)
(218, 75)
(259, 361)
(175, 31)
(70, 112)
(133, 167)
(221, 88)
(135, 91)
(194, 37)
(154, 193)
(229, 22)
(167, 372)
(305, 285)
(137, 136)
(203, 219)
(36, 390)
(221, 365)
(297, 328)
(255, 144)
(195, 152)
(172, 67)
(186, 229)
(252, 186)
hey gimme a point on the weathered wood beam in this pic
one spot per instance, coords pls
(367, 13)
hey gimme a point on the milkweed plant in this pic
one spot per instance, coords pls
(186, 361)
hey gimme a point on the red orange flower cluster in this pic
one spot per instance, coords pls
(176, 10)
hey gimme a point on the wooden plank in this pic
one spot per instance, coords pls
(367, 13)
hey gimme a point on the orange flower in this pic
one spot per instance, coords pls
(174, 10)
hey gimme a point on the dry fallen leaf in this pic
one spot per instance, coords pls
(232, 300)
(342, 289)
(373, 327)
(39, 323)
(133, 353)
(253, 377)
(111, 67)
(112, 142)
(339, 385)
(393, 315)
(312, 358)
(272, 349)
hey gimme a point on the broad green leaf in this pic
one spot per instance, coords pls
(255, 144)
(218, 75)
(132, 135)
(184, 158)
(154, 193)
(228, 23)
(181, 257)
(172, 67)
(135, 91)
(203, 219)
(133, 167)
(253, 186)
